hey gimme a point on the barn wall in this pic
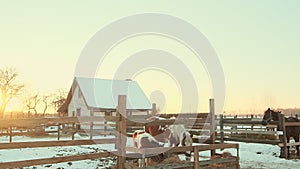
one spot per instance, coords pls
(78, 103)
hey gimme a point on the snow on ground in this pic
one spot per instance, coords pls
(252, 156)
(263, 156)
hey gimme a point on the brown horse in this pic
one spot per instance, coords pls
(291, 131)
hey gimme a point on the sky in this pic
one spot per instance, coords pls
(256, 43)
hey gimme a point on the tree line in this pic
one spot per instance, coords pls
(33, 102)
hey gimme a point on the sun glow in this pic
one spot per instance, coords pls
(14, 105)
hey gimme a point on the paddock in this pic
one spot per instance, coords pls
(202, 125)
(250, 129)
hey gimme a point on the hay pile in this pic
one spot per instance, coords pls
(225, 154)
(134, 164)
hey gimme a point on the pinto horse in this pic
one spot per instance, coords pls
(180, 136)
(161, 132)
(291, 131)
(176, 134)
(142, 139)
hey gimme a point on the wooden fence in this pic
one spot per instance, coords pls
(247, 129)
(199, 124)
(22, 115)
(35, 125)
(251, 130)
(122, 124)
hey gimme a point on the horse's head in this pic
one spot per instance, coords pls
(270, 115)
(187, 139)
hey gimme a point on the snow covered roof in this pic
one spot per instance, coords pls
(103, 93)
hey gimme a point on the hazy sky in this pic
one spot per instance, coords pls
(257, 43)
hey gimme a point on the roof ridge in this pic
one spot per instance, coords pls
(79, 77)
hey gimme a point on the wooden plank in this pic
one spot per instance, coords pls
(154, 110)
(54, 160)
(213, 124)
(241, 122)
(55, 143)
(53, 121)
(283, 139)
(202, 164)
(202, 140)
(95, 133)
(198, 132)
(184, 115)
(101, 125)
(247, 140)
(157, 150)
(249, 131)
(91, 125)
(246, 125)
(121, 133)
(289, 144)
(221, 128)
(292, 123)
(10, 134)
(131, 123)
(167, 116)
(217, 146)
(196, 158)
(219, 160)
(139, 117)
(198, 126)
(174, 122)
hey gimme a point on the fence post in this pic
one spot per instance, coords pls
(10, 134)
(281, 127)
(121, 133)
(221, 128)
(107, 114)
(91, 125)
(73, 131)
(235, 126)
(213, 124)
(196, 157)
(252, 125)
(154, 110)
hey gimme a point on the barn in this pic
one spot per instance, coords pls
(93, 96)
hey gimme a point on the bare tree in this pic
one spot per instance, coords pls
(59, 98)
(46, 102)
(31, 103)
(9, 86)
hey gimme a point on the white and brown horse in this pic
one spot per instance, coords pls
(142, 139)
(174, 134)
(157, 136)
(160, 132)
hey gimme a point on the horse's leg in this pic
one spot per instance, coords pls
(288, 147)
(148, 161)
